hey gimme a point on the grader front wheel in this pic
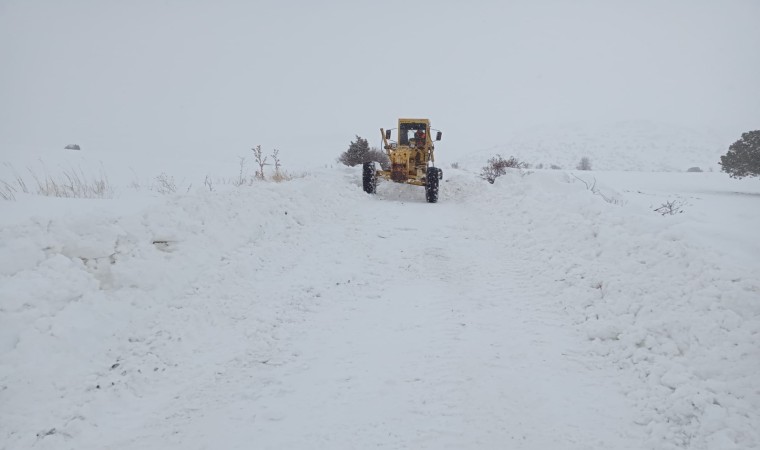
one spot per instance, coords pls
(431, 184)
(369, 178)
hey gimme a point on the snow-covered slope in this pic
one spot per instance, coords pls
(629, 146)
(532, 313)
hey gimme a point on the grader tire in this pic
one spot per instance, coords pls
(431, 185)
(369, 178)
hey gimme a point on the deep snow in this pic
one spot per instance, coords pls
(532, 314)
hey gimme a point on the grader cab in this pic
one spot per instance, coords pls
(412, 159)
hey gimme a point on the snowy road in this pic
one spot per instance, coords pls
(526, 315)
(410, 327)
(441, 344)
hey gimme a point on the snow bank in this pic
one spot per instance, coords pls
(682, 314)
(103, 303)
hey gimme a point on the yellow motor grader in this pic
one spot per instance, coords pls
(411, 158)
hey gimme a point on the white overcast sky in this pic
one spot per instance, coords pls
(215, 78)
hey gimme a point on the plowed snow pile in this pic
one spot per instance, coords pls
(533, 313)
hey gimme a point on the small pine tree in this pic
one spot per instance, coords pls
(356, 153)
(584, 164)
(359, 152)
(743, 156)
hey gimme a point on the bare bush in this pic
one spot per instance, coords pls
(261, 160)
(209, 183)
(694, 169)
(455, 165)
(497, 166)
(555, 167)
(241, 178)
(278, 174)
(671, 208)
(591, 186)
(165, 184)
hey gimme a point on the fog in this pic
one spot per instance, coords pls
(216, 78)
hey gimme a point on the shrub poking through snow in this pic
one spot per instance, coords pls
(671, 208)
(165, 184)
(279, 174)
(591, 186)
(261, 160)
(497, 166)
(584, 164)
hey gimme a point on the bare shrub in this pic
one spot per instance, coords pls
(584, 164)
(261, 160)
(591, 186)
(497, 166)
(241, 178)
(694, 169)
(278, 175)
(455, 165)
(671, 208)
(555, 167)
(165, 184)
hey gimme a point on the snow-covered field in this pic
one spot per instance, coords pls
(535, 313)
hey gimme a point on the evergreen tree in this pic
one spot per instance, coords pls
(743, 156)
(357, 153)
(584, 164)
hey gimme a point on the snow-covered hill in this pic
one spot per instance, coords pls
(627, 146)
(533, 313)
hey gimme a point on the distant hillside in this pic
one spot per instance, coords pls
(631, 145)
